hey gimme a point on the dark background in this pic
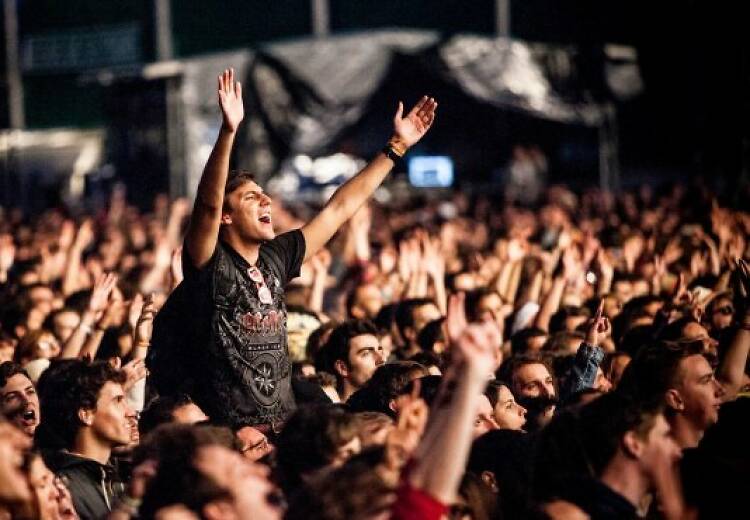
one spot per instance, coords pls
(690, 120)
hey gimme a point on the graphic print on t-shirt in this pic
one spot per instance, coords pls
(244, 371)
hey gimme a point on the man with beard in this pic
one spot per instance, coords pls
(19, 402)
(534, 387)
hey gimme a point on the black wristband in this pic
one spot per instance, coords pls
(391, 153)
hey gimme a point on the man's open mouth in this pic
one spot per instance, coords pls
(265, 219)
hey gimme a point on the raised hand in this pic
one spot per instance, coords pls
(134, 371)
(432, 257)
(230, 100)
(410, 129)
(144, 327)
(455, 320)
(741, 291)
(103, 287)
(599, 327)
(85, 235)
(7, 253)
(475, 349)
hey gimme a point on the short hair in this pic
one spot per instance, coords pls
(352, 491)
(68, 386)
(177, 479)
(431, 334)
(235, 179)
(405, 312)
(9, 369)
(492, 391)
(557, 321)
(386, 383)
(428, 359)
(310, 439)
(520, 340)
(160, 411)
(605, 420)
(473, 298)
(656, 367)
(508, 369)
(338, 344)
(557, 343)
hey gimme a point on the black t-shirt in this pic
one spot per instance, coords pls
(241, 343)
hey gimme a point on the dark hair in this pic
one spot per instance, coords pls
(428, 359)
(557, 321)
(235, 179)
(351, 297)
(405, 313)
(337, 347)
(351, 491)
(519, 342)
(674, 331)
(68, 386)
(431, 334)
(9, 369)
(557, 344)
(310, 439)
(160, 411)
(606, 419)
(177, 480)
(655, 368)
(318, 338)
(474, 298)
(508, 369)
(507, 455)
(492, 391)
(386, 383)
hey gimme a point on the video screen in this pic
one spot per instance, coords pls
(431, 171)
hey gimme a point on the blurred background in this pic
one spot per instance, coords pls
(102, 92)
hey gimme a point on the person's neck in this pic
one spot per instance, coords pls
(624, 478)
(88, 446)
(685, 434)
(346, 391)
(247, 250)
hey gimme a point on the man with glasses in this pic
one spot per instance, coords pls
(236, 269)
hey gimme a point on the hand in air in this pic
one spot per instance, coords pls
(410, 129)
(230, 100)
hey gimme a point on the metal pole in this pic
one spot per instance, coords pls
(321, 18)
(17, 118)
(163, 28)
(502, 18)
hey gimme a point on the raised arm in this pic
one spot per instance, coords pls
(732, 368)
(203, 231)
(441, 456)
(407, 131)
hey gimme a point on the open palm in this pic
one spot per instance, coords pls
(230, 100)
(411, 129)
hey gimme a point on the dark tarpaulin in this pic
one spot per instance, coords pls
(309, 96)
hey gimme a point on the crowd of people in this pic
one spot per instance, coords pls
(580, 356)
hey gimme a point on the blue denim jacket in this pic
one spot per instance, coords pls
(583, 372)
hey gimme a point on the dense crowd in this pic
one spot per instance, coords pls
(449, 356)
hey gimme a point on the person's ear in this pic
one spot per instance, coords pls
(226, 218)
(357, 313)
(632, 445)
(488, 478)
(86, 416)
(674, 400)
(218, 510)
(340, 367)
